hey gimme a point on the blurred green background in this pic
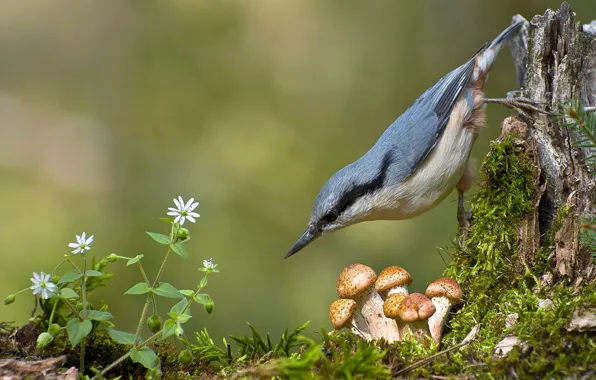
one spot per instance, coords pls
(109, 109)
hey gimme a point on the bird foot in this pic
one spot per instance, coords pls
(520, 104)
(464, 219)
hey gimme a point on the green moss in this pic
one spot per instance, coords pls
(494, 292)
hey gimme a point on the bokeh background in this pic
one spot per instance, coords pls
(109, 109)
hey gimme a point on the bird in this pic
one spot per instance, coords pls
(420, 158)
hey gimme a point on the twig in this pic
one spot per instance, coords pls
(470, 337)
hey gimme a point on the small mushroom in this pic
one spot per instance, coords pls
(356, 282)
(391, 308)
(444, 293)
(414, 312)
(393, 279)
(343, 313)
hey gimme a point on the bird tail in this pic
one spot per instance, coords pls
(486, 56)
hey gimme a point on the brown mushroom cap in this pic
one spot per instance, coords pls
(391, 305)
(445, 287)
(354, 280)
(392, 276)
(415, 307)
(341, 312)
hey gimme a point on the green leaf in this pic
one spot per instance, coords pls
(68, 293)
(187, 292)
(169, 328)
(167, 220)
(145, 356)
(69, 277)
(77, 330)
(134, 260)
(97, 315)
(160, 238)
(179, 249)
(202, 299)
(183, 318)
(140, 288)
(167, 290)
(203, 282)
(93, 273)
(121, 337)
(179, 307)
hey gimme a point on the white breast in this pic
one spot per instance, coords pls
(435, 178)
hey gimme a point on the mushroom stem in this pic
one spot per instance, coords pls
(418, 330)
(438, 319)
(360, 327)
(398, 289)
(371, 306)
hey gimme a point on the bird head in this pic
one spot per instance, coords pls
(347, 198)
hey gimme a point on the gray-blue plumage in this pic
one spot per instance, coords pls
(400, 151)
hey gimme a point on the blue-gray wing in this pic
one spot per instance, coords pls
(416, 132)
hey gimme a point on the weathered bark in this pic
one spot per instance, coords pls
(556, 63)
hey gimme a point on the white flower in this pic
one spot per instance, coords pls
(82, 244)
(208, 264)
(184, 211)
(42, 285)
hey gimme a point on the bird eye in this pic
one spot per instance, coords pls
(329, 217)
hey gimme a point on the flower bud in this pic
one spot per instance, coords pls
(179, 331)
(54, 329)
(56, 279)
(154, 324)
(79, 306)
(209, 307)
(182, 234)
(9, 299)
(112, 257)
(44, 339)
(185, 357)
(103, 262)
(153, 374)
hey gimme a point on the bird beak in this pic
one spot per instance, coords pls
(309, 235)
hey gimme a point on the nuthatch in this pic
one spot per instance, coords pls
(419, 159)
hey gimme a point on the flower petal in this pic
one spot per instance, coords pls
(90, 240)
(173, 213)
(190, 218)
(178, 206)
(192, 206)
(182, 219)
(194, 214)
(189, 203)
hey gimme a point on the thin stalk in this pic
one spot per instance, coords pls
(125, 356)
(150, 296)
(57, 266)
(73, 264)
(142, 320)
(53, 311)
(74, 310)
(84, 298)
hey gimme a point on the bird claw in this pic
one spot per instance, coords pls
(464, 218)
(520, 103)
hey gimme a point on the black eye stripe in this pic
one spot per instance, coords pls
(358, 191)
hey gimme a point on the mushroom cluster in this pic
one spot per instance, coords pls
(376, 307)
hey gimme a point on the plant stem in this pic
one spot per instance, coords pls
(57, 266)
(73, 264)
(74, 310)
(84, 298)
(150, 296)
(142, 319)
(143, 273)
(53, 311)
(125, 356)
